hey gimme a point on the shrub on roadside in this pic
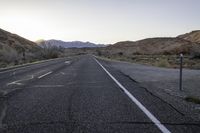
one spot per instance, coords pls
(50, 51)
(99, 53)
(195, 51)
(193, 99)
(162, 63)
(8, 55)
(120, 53)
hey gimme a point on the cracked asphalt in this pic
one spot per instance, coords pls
(80, 97)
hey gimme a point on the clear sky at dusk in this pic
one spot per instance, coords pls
(99, 21)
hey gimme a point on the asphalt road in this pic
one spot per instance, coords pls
(82, 95)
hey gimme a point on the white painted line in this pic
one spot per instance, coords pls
(14, 83)
(142, 107)
(17, 82)
(44, 75)
(67, 62)
(62, 73)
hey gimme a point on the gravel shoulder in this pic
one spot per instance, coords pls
(164, 83)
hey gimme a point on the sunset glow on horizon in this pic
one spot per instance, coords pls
(105, 21)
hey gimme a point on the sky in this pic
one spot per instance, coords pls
(99, 21)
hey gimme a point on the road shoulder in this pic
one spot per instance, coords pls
(163, 83)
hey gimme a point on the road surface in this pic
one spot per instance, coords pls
(82, 95)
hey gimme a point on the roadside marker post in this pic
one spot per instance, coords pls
(181, 71)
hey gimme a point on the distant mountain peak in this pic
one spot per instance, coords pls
(70, 44)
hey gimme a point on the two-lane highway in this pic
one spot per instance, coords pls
(18, 76)
(82, 94)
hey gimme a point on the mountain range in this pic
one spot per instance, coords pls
(12, 44)
(72, 44)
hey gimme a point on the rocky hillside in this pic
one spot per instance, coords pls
(187, 44)
(16, 42)
(193, 36)
(14, 49)
(73, 44)
(152, 46)
(160, 52)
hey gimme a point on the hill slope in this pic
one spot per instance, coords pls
(13, 48)
(16, 42)
(193, 36)
(153, 46)
(162, 52)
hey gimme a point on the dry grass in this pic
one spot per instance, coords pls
(169, 61)
(193, 99)
(162, 63)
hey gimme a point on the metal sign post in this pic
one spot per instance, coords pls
(181, 71)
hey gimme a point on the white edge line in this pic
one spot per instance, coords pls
(142, 107)
(44, 75)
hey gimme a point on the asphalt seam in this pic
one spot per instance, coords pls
(142, 107)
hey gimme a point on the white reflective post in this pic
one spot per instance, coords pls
(181, 71)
